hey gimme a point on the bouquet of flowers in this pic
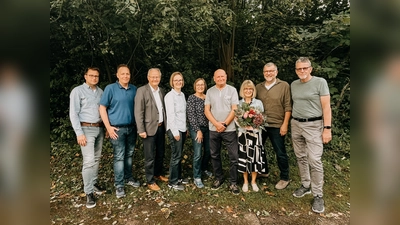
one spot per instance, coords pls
(247, 115)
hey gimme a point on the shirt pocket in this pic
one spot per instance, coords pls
(227, 99)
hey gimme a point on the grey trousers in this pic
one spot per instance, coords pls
(308, 148)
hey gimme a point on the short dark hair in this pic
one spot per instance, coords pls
(122, 65)
(92, 68)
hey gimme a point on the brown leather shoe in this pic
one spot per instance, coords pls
(153, 187)
(282, 184)
(161, 178)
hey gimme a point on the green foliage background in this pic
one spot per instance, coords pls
(196, 38)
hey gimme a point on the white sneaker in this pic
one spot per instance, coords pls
(245, 188)
(255, 187)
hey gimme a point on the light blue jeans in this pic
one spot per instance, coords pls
(91, 154)
(123, 147)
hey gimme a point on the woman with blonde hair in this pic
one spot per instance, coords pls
(251, 150)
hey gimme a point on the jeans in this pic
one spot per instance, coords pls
(124, 147)
(200, 164)
(308, 147)
(154, 151)
(231, 142)
(175, 168)
(278, 144)
(91, 154)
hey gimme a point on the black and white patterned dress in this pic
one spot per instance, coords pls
(251, 149)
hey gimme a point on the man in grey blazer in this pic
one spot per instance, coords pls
(151, 123)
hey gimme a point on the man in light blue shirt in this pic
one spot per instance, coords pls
(85, 118)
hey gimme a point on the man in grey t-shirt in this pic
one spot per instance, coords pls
(311, 128)
(221, 101)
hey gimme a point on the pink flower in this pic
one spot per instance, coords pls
(245, 115)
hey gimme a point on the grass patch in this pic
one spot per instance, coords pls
(67, 198)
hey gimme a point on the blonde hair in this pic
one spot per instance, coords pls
(247, 83)
(174, 74)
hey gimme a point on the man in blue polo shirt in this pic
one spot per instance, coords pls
(117, 113)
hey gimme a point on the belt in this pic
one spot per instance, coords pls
(99, 124)
(309, 119)
(160, 124)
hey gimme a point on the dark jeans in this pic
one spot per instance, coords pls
(175, 168)
(231, 141)
(278, 144)
(200, 163)
(123, 147)
(154, 151)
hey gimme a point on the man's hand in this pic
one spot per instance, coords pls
(220, 127)
(326, 136)
(143, 135)
(111, 132)
(283, 130)
(81, 140)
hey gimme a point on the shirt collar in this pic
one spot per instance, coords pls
(153, 90)
(120, 86)
(176, 93)
(87, 86)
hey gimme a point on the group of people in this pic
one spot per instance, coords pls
(209, 117)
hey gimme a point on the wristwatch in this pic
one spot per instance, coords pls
(327, 127)
(225, 125)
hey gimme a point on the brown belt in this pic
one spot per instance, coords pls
(159, 124)
(84, 124)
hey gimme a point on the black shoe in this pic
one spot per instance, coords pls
(234, 189)
(90, 201)
(183, 181)
(98, 189)
(216, 184)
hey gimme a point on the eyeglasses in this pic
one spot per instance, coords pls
(303, 69)
(269, 71)
(178, 80)
(93, 76)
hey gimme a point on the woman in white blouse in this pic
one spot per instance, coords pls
(175, 105)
